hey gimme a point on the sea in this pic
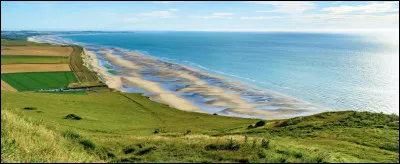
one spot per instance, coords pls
(339, 71)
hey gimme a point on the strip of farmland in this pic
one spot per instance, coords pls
(16, 68)
(37, 50)
(39, 80)
(12, 59)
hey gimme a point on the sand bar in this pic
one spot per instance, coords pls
(182, 87)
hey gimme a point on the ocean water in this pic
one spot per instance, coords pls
(337, 71)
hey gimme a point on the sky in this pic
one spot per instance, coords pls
(200, 16)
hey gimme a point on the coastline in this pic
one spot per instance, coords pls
(186, 88)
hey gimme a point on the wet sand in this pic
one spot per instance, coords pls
(186, 88)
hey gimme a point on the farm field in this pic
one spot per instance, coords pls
(7, 42)
(16, 68)
(38, 80)
(36, 50)
(12, 59)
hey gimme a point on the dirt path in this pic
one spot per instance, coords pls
(6, 87)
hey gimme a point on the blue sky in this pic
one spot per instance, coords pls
(200, 16)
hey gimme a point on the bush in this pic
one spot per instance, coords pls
(145, 151)
(250, 126)
(227, 146)
(254, 143)
(129, 150)
(260, 123)
(71, 135)
(264, 143)
(262, 154)
(87, 144)
(72, 117)
(188, 131)
(30, 108)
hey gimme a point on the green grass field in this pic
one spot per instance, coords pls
(7, 42)
(12, 59)
(30, 81)
(120, 127)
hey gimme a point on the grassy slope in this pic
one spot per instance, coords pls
(82, 73)
(115, 123)
(33, 60)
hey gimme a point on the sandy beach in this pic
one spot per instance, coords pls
(183, 87)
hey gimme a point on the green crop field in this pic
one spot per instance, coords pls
(7, 42)
(30, 81)
(126, 127)
(12, 59)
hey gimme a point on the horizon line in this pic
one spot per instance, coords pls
(225, 30)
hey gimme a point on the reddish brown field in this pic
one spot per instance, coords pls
(15, 68)
(37, 50)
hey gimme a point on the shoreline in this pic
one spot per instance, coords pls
(203, 92)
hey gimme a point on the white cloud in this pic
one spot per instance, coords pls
(350, 21)
(173, 9)
(290, 7)
(153, 14)
(131, 20)
(384, 7)
(260, 17)
(215, 15)
(159, 14)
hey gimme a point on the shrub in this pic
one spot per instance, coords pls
(250, 126)
(129, 150)
(260, 123)
(254, 143)
(87, 144)
(262, 154)
(71, 135)
(30, 108)
(264, 143)
(188, 131)
(145, 151)
(72, 117)
(227, 146)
